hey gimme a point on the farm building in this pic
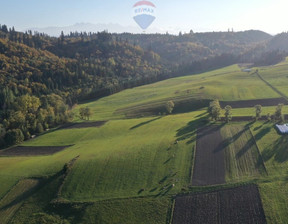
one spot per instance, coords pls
(246, 70)
(283, 129)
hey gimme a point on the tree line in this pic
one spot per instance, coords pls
(215, 111)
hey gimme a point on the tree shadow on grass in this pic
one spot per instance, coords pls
(144, 123)
(21, 198)
(189, 130)
(262, 133)
(164, 191)
(201, 115)
(245, 148)
(27, 194)
(278, 150)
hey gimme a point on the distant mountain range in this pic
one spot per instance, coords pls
(94, 28)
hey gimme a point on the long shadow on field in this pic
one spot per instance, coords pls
(262, 133)
(245, 148)
(189, 131)
(25, 195)
(21, 198)
(232, 139)
(278, 150)
(144, 123)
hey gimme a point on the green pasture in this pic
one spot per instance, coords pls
(242, 159)
(229, 84)
(129, 169)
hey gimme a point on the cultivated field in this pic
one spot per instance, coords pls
(237, 205)
(252, 103)
(242, 158)
(32, 150)
(209, 168)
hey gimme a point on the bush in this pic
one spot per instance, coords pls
(26, 134)
(39, 128)
(14, 136)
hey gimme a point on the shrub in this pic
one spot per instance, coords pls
(39, 128)
(14, 136)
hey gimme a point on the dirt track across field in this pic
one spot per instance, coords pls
(252, 103)
(237, 205)
(32, 150)
(83, 125)
(209, 165)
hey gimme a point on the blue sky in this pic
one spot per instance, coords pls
(206, 15)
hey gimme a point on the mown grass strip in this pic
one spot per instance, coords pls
(14, 199)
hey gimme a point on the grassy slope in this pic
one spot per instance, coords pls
(117, 161)
(14, 199)
(274, 191)
(277, 76)
(140, 211)
(125, 156)
(242, 159)
(225, 84)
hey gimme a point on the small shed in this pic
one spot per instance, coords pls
(283, 129)
(247, 70)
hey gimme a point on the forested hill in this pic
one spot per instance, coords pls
(81, 67)
(37, 87)
(185, 48)
(41, 76)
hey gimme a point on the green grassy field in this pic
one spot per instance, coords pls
(129, 169)
(224, 84)
(242, 159)
(14, 199)
(277, 76)
(125, 156)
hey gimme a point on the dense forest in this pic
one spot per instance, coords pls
(42, 77)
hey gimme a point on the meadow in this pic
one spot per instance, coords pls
(129, 170)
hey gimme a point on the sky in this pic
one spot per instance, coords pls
(173, 16)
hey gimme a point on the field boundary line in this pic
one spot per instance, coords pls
(258, 150)
(271, 86)
(192, 161)
(171, 212)
(66, 171)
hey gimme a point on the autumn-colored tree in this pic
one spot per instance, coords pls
(170, 106)
(214, 110)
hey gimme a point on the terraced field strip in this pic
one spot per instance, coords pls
(14, 199)
(183, 104)
(209, 167)
(93, 124)
(33, 150)
(252, 103)
(242, 157)
(237, 205)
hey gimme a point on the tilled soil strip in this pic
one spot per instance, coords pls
(252, 103)
(209, 165)
(237, 205)
(33, 150)
(83, 125)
